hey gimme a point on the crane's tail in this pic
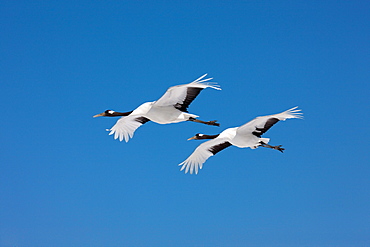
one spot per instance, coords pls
(264, 140)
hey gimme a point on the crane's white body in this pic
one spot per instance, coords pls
(167, 114)
(244, 136)
(241, 141)
(162, 111)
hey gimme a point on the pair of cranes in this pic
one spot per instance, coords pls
(172, 107)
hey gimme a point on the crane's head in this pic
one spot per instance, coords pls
(107, 113)
(196, 137)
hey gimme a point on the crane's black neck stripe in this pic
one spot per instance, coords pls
(191, 94)
(217, 148)
(202, 137)
(117, 114)
(142, 120)
(269, 123)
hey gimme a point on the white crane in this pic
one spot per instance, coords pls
(247, 135)
(170, 108)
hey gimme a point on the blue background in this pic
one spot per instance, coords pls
(65, 182)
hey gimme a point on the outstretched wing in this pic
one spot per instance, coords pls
(260, 125)
(205, 150)
(181, 96)
(126, 126)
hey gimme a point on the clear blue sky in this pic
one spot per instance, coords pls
(65, 182)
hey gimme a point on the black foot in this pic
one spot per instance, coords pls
(279, 148)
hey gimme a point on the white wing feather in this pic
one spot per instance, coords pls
(259, 122)
(195, 161)
(125, 127)
(177, 94)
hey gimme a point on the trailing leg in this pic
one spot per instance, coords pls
(279, 148)
(214, 123)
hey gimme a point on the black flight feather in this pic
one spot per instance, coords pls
(217, 148)
(269, 123)
(191, 94)
(142, 120)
